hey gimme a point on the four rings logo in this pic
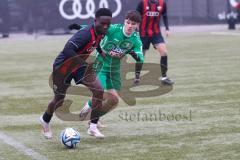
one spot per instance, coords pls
(152, 14)
(90, 7)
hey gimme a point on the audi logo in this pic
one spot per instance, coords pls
(90, 7)
(152, 14)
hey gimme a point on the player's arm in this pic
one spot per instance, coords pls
(100, 51)
(140, 7)
(165, 16)
(75, 44)
(137, 53)
(76, 26)
(135, 56)
(111, 29)
(70, 51)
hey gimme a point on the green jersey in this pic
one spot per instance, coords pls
(116, 44)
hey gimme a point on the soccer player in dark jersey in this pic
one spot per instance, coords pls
(120, 40)
(74, 62)
(152, 11)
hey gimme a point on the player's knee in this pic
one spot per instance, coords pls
(58, 101)
(114, 100)
(98, 93)
(57, 104)
(163, 54)
(162, 50)
(53, 105)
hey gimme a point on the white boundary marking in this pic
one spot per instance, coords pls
(20, 147)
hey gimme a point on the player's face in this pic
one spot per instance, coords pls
(102, 24)
(130, 26)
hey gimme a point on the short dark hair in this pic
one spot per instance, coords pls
(133, 15)
(103, 12)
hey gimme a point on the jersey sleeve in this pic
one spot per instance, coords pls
(165, 16)
(76, 43)
(138, 48)
(140, 7)
(80, 39)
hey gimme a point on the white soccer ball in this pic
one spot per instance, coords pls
(70, 137)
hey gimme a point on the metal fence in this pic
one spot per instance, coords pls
(48, 15)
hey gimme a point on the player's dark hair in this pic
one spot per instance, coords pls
(133, 15)
(103, 12)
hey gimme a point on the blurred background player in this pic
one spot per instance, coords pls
(152, 11)
(235, 4)
(119, 41)
(4, 18)
(72, 63)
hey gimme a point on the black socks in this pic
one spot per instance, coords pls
(164, 65)
(47, 117)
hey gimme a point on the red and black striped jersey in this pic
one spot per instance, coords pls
(151, 12)
(82, 44)
(238, 5)
(85, 41)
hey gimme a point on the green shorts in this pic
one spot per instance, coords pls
(110, 80)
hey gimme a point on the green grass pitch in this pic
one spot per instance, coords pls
(206, 97)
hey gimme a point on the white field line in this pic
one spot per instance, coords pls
(20, 147)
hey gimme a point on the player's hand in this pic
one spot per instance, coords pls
(168, 33)
(135, 56)
(74, 26)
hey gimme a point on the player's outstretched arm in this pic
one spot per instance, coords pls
(74, 26)
(71, 53)
(100, 51)
(165, 19)
(136, 56)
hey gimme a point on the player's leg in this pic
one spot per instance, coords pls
(111, 85)
(59, 89)
(96, 109)
(110, 101)
(94, 85)
(138, 66)
(111, 82)
(47, 115)
(86, 110)
(138, 69)
(160, 46)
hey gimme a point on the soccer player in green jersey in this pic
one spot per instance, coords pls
(120, 40)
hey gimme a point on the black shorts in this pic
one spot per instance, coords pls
(61, 84)
(155, 39)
